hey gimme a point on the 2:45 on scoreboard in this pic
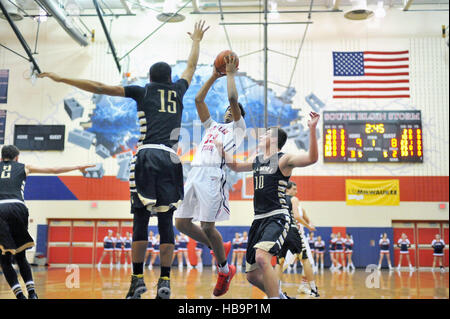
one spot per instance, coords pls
(372, 136)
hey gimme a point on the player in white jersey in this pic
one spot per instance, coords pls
(205, 194)
(404, 244)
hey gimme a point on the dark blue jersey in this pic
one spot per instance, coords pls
(12, 180)
(438, 246)
(269, 185)
(384, 244)
(159, 107)
(403, 244)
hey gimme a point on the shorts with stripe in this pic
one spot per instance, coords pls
(295, 243)
(156, 180)
(14, 236)
(205, 196)
(269, 234)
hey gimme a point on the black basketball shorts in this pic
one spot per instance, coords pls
(156, 181)
(14, 236)
(295, 243)
(268, 234)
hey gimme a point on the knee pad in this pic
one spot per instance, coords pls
(165, 227)
(141, 218)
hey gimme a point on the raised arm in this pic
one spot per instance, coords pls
(196, 37)
(86, 85)
(231, 87)
(202, 108)
(56, 170)
(290, 161)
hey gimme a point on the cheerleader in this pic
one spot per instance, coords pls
(183, 250)
(438, 245)
(127, 240)
(311, 241)
(319, 250)
(118, 245)
(332, 246)
(155, 250)
(235, 244)
(384, 251)
(108, 249)
(199, 251)
(339, 252)
(177, 253)
(348, 242)
(404, 245)
(242, 250)
(150, 249)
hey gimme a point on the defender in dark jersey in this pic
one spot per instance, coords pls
(14, 236)
(271, 172)
(156, 175)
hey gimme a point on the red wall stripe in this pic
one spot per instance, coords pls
(311, 188)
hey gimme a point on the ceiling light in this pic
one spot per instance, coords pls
(274, 14)
(359, 11)
(169, 12)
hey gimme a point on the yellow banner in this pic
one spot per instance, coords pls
(372, 192)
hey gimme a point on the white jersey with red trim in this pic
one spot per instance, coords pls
(230, 134)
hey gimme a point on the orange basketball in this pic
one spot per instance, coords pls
(220, 64)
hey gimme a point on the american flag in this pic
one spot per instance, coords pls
(371, 74)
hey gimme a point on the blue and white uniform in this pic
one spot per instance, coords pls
(235, 243)
(243, 244)
(384, 245)
(118, 244)
(319, 247)
(348, 246)
(150, 243)
(177, 246)
(404, 245)
(108, 243)
(199, 246)
(183, 242)
(127, 243)
(438, 247)
(156, 245)
(339, 245)
(311, 242)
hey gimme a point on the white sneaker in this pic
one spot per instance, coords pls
(110, 266)
(189, 266)
(213, 267)
(398, 267)
(99, 265)
(442, 270)
(411, 268)
(118, 265)
(379, 267)
(390, 268)
(304, 289)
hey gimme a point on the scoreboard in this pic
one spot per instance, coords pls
(39, 137)
(372, 136)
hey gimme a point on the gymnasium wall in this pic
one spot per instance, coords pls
(321, 187)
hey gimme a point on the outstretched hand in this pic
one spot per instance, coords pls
(55, 77)
(216, 74)
(312, 123)
(230, 62)
(83, 168)
(199, 31)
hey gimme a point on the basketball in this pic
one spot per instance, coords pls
(220, 64)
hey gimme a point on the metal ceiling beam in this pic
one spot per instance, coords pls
(126, 6)
(20, 37)
(60, 16)
(108, 37)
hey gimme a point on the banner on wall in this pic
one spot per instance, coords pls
(4, 76)
(2, 126)
(372, 192)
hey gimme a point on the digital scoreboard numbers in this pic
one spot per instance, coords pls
(372, 136)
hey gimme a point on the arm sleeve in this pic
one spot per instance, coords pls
(134, 92)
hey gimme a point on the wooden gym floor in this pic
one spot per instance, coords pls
(194, 284)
